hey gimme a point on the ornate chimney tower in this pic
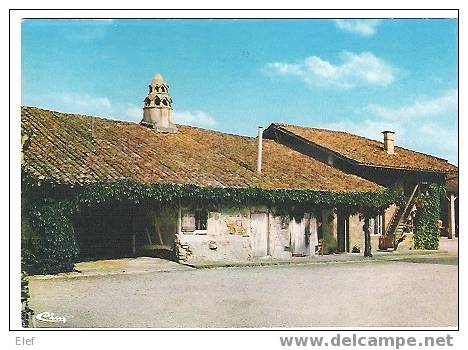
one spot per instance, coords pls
(157, 111)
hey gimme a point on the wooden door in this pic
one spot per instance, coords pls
(259, 230)
(300, 243)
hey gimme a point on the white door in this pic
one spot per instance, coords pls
(259, 229)
(298, 237)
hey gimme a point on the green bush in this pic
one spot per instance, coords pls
(56, 250)
(29, 261)
(26, 311)
(426, 235)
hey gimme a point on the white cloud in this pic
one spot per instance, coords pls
(102, 106)
(72, 103)
(83, 100)
(79, 103)
(194, 118)
(368, 128)
(446, 137)
(419, 108)
(414, 124)
(355, 69)
(362, 27)
(132, 112)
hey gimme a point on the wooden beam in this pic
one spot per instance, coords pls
(451, 221)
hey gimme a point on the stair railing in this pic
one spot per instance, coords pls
(399, 214)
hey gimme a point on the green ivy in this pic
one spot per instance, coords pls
(56, 250)
(26, 311)
(134, 192)
(427, 233)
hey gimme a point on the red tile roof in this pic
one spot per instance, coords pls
(66, 150)
(368, 152)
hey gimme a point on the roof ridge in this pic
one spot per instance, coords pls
(109, 119)
(325, 129)
(215, 131)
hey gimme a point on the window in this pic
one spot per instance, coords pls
(201, 218)
(376, 225)
(194, 221)
(157, 101)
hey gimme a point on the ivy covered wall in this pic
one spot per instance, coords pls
(55, 248)
(50, 209)
(428, 211)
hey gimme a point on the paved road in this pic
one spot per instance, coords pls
(347, 294)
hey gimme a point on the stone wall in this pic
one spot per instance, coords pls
(280, 239)
(230, 235)
(313, 234)
(227, 238)
(356, 233)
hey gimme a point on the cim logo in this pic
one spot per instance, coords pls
(50, 317)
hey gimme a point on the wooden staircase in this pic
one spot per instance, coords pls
(395, 228)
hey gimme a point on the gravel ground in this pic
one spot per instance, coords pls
(381, 294)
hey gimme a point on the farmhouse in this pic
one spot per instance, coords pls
(380, 162)
(97, 188)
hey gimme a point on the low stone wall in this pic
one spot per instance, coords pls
(230, 235)
(196, 248)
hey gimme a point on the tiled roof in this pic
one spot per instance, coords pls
(368, 152)
(66, 150)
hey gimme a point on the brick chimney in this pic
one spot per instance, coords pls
(389, 141)
(157, 110)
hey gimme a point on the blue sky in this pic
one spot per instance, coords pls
(361, 76)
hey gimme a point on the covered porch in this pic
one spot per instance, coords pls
(123, 230)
